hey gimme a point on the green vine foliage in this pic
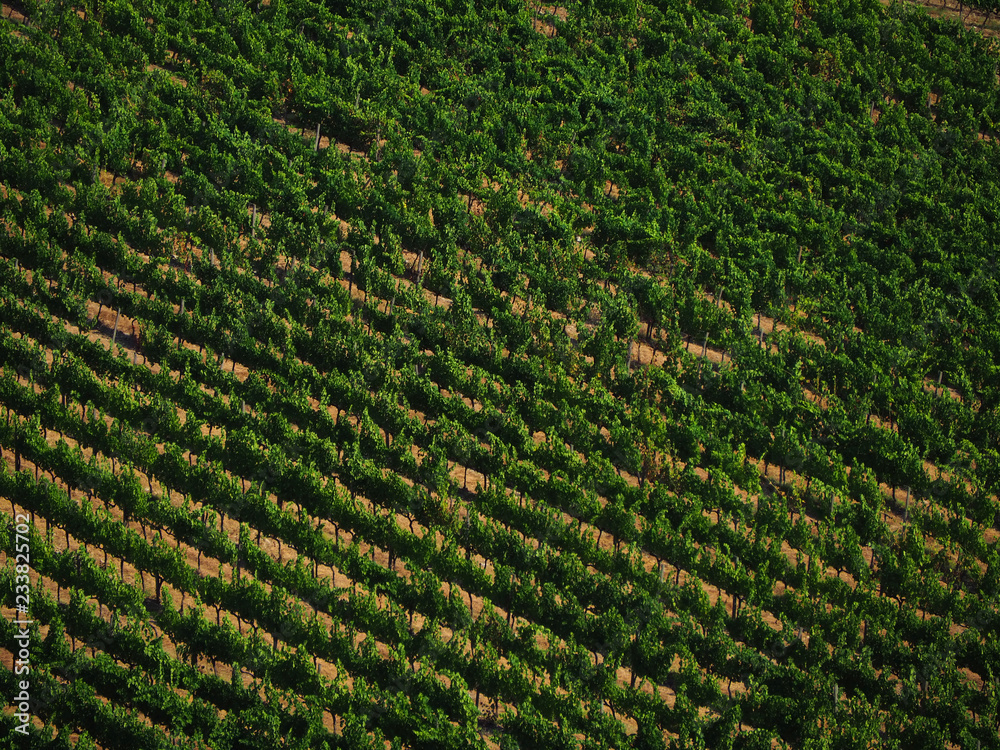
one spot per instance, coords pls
(603, 374)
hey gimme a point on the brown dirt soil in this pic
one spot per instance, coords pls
(972, 19)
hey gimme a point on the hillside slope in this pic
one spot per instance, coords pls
(378, 374)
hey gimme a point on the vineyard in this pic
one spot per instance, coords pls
(378, 374)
